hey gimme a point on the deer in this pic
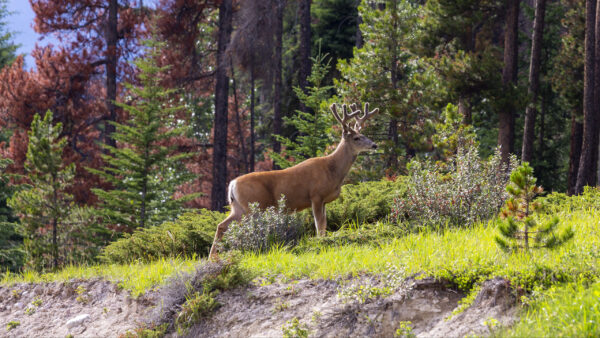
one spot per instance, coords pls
(311, 183)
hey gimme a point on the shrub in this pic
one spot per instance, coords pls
(260, 229)
(365, 202)
(557, 202)
(365, 233)
(462, 191)
(191, 234)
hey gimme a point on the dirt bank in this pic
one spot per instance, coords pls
(96, 307)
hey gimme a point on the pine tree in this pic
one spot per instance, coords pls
(520, 227)
(313, 128)
(11, 251)
(56, 231)
(142, 169)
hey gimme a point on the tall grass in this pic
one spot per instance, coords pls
(570, 310)
(464, 256)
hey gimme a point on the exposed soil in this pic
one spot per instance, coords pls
(253, 311)
(110, 310)
(263, 311)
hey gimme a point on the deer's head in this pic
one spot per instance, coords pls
(351, 135)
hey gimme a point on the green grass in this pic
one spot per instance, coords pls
(570, 310)
(464, 256)
(136, 277)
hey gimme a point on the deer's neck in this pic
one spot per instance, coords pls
(341, 160)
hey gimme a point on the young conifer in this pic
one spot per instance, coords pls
(313, 128)
(55, 230)
(143, 170)
(11, 242)
(519, 228)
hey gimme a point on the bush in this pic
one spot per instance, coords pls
(462, 191)
(557, 202)
(260, 229)
(191, 234)
(365, 233)
(366, 202)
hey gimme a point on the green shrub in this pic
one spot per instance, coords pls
(460, 192)
(558, 202)
(365, 202)
(191, 234)
(366, 233)
(261, 229)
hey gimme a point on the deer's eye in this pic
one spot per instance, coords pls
(356, 138)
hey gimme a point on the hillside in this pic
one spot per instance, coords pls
(448, 283)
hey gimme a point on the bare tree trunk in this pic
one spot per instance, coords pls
(219, 184)
(585, 173)
(596, 132)
(392, 161)
(238, 122)
(278, 85)
(541, 135)
(574, 153)
(506, 129)
(534, 80)
(252, 99)
(464, 109)
(111, 71)
(359, 39)
(304, 52)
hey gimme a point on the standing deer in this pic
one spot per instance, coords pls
(312, 183)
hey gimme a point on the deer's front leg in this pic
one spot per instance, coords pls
(318, 207)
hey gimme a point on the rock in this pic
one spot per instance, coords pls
(76, 321)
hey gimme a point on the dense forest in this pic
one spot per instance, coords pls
(142, 110)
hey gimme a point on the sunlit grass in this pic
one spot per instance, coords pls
(134, 277)
(570, 310)
(463, 256)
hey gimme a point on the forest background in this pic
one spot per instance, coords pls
(222, 88)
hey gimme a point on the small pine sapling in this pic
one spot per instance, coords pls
(519, 226)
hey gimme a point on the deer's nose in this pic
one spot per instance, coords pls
(374, 146)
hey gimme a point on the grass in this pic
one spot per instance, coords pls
(571, 310)
(135, 277)
(464, 256)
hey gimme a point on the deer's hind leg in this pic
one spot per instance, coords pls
(237, 211)
(318, 208)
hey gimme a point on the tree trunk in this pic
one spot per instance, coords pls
(585, 173)
(541, 135)
(252, 99)
(506, 129)
(54, 224)
(219, 187)
(596, 132)
(111, 71)
(359, 38)
(574, 153)
(143, 205)
(304, 52)
(392, 161)
(464, 109)
(238, 123)
(534, 80)
(277, 73)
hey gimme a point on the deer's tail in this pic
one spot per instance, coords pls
(231, 193)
